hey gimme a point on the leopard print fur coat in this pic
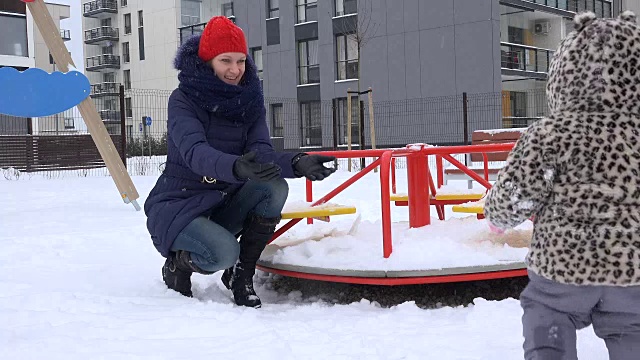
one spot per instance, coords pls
(577, 171)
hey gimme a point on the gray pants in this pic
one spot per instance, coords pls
(554, 311)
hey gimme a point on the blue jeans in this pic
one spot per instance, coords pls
(212, 238)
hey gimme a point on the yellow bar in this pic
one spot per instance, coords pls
(459, 196)
(468, 209)
(319, 212)
(399, 197)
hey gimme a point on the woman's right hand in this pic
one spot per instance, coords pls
(246, 168)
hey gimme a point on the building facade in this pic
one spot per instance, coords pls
(418, 57)
(122, 49)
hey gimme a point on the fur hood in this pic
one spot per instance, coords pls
(596, 67)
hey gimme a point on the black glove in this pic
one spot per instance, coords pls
(310, 166)
(246, 168)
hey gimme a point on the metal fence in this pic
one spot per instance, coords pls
(141, 115)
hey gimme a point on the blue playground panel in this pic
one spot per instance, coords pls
(35, 92)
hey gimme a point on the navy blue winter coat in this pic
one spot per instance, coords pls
(210, 125)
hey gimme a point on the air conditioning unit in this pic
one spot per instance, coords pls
(541, 27)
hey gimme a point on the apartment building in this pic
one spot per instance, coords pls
(133, 43)
(307, 55)
(22, 47)
(529, 33)
(419, 49)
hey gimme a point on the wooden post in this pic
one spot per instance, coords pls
(87, 108)
(123, 127)
(372, 128)
(349, 126)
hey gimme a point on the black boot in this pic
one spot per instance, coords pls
(177, 271)
(239, 278)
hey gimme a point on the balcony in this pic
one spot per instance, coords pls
(103, 63)
(105, 89)
(108, 115)
(190, 30)
(101, 35)
(602, 8)
(524, 61)
(65, 34)
(100, 9)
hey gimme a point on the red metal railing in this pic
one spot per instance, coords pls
(421, 187)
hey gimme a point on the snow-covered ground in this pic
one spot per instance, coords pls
(80, 279)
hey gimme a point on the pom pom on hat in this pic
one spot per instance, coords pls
(627, 15)
(220, 35)
(581, 20)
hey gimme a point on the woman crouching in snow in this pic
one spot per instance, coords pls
(578, 172)
(222, 179)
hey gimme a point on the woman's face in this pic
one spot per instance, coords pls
(229, 67)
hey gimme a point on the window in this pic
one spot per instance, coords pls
(105, 22)
(141, 35)
(123, 3)
(13, 7)
(277, 120)
(128, 110)
(346, 7)
(227, 9)
(347, 57)
(15, 44)
(126, 55)
(311, 123)
(273, 9)
(127, 23)
(109, 77)
(69, 123)
(343, 120)
(606, 9)
(127, 79)
(308, 62)
(191, 12)
(256, 55)
(307, 10)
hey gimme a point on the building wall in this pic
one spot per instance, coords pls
(11, 125)
(633, 5)
(58, 13)
(22, 61)
(53, 123)
(421, 48)
(156, 70)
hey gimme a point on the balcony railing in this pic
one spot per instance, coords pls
(518, 122)
(102, 62)
(188, 31)
(524, 58)
(602, 8)
(65, 34)
(105, 89)
(100, 8)
(101, 35)
(109, 115)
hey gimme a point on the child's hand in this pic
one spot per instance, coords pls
(494, 229)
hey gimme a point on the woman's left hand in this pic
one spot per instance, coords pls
(311, 166)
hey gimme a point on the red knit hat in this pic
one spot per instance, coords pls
(220, 35)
